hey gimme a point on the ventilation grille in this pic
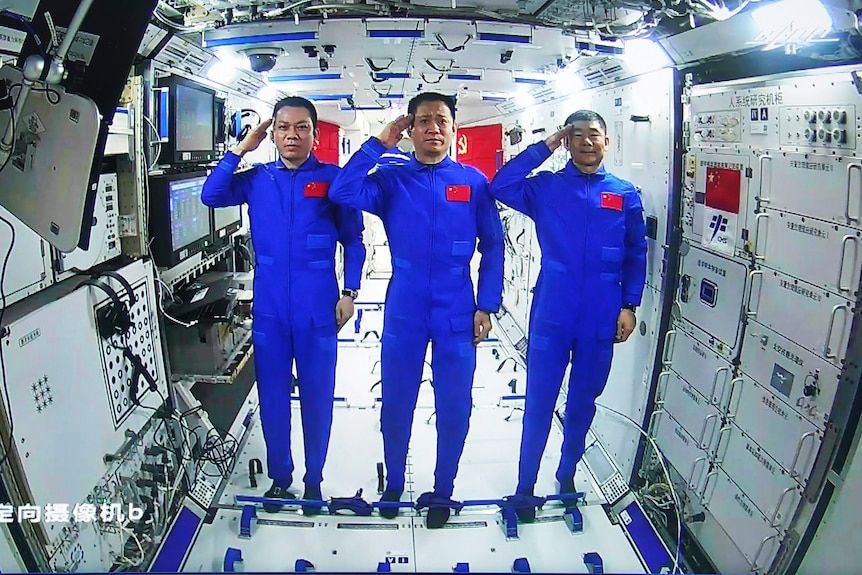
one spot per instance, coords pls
(183, 55)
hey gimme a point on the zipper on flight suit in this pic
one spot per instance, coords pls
(431, 170)
(588, 226)
(290, 232)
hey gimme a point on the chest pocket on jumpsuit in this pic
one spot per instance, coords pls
(608, 229)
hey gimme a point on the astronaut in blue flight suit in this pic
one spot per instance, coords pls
(297, 309)
(433, 209)
(592, 236)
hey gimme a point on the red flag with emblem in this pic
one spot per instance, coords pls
(721, 209)
(723, 187)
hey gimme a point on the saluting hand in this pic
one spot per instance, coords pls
(393, 132)
(556, 139)
(253, 139)
(481, 326)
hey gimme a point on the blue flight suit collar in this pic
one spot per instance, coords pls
(416, 165)
(311, 163)
(572, 170)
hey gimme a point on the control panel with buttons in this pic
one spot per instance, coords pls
(818, 126)
(723, 126)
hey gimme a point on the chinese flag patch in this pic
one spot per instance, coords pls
(316, 189)
(612, 201)
(723, 187)
(458, 193)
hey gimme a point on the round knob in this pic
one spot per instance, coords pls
(810, 134)
(824, 135)
(810, 116)
(825, 116)
(839, 116)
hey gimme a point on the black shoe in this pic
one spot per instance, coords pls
(567, 487)
(277, 491)
(526, 514)
(312, 493)
(437, 517)
(390, 496)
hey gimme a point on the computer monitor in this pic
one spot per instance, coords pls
(179, 222)
(225, 221)
(188, 112)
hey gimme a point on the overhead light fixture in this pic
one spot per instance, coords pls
(262, 39)
(267, 93)
(395, 33)
(401, 28)
(530, 80)
(524, 99)
(791, 22)
(643, 55)
(392, 75)
(221, 71)
(328, 97)
(304, 77)
(599, 47)
(496, 37)
(496, 33)
(568, 81)
(466, 77)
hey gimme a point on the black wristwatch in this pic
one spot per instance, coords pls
(351, 293)
(630, 307)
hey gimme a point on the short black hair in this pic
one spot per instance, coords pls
(431, 97)
(296, 102)
(587, 116)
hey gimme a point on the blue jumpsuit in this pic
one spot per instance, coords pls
(294, 229)
(432, 216)
(592, 237)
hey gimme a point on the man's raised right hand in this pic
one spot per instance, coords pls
(556, 139)
(393, 132)
(253, 139)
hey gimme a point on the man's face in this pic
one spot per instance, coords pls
(433, 128)
(587, 142)
(293, 133)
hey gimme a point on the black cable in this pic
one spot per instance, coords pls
(219, 451)
(178, 452)
(26, 23)
(49, 92)
(442, 42)
(7, 401)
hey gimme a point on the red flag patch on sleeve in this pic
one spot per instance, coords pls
(612, 201)
(316, 189)
(458, 193)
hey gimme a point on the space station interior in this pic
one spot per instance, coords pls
(726, 437)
